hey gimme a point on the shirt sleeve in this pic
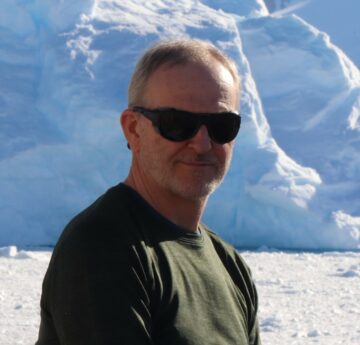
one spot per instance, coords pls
(254, 331)
(241, 275)
(252, 298)
(95, 295)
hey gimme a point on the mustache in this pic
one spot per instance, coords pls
(202, 158)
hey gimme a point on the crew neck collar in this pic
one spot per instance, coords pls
(180, 233)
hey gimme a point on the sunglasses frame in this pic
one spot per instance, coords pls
(199, 119)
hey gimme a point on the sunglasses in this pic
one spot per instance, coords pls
(180, 125)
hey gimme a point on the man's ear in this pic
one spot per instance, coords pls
(129, 121)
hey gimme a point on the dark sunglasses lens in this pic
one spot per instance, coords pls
(177, 125)
(223, 128)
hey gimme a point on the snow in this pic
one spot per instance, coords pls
(305, 298)
(314, 115)
(65, 67)
(341, 22)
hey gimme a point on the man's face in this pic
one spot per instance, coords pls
(190, 169)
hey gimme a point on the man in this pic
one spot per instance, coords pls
(137, 267)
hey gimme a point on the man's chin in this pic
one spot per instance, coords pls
(196, 192)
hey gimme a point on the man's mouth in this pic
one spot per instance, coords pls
(198, 163)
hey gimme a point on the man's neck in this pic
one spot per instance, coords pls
(185, 213)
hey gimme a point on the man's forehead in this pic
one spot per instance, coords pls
(209, 87)
(210, 68)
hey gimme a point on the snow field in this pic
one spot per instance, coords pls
(308, 298)
(21, 277)
(305, 298)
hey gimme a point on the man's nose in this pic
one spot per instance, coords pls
(201, 142)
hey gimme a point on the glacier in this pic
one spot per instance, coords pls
(294, 180)
(341, 22)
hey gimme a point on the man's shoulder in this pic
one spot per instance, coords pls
(227, 252)
(107, 218)
(237, 268)
(219, 241)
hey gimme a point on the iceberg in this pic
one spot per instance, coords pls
(294, 180)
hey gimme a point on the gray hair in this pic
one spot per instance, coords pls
(171, 53)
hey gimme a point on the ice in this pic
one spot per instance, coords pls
(303, 297)
(313, 333)
(351, 272)
(65, 66)
(339, 14)
(270, 324)
(10, 251)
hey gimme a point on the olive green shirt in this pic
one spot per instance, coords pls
(123, 274)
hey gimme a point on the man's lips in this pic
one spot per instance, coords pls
(198, 163)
